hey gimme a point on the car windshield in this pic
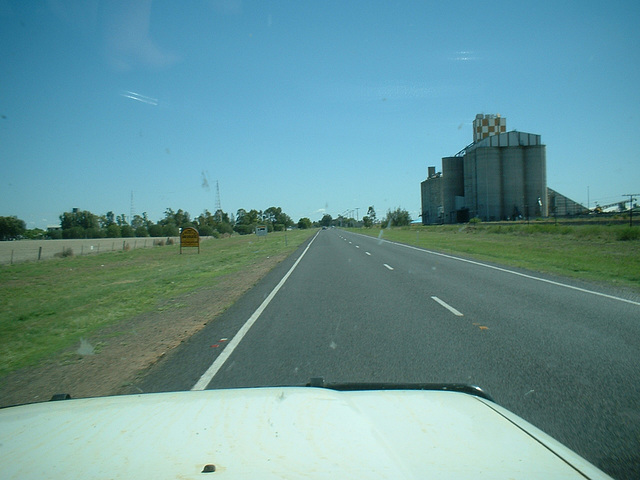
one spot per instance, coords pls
(238, 193)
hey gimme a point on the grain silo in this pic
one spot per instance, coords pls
(535, 161)
(501, 176)
(452, 187)
(513, 190)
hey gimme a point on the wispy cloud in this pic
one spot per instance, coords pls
(404, 90)
(128, 42)
(465, 56)
(228, 7)
(394, 90)
(139, 97)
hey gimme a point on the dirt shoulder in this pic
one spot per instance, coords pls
(108, 361)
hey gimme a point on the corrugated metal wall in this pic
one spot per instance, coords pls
(513, 182)
(452, 186)
(502, 181)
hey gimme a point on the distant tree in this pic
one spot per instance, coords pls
(107, 219)
(11, 228)
(246, 221)
(397, 218)
(76, 218)
(205, 219)
(244, 229)
(34, 234)
(206, 231)
(240, 216)
(169, 216)
(54, 234)
(121, 220)
(170, 230)
(371, 213)
(221, 217)
(182, 218)
(179, 219)
(155, 230)
(95, 232)
(367, 222)
(275, 216)
(141, 231)
(304, 223)
(114, 231)
(141, 221)
(254, 216)
(137, 221)
(326, 220)
(213, 224)
(127, 231)
(224, 227)
(74, 232)
(285, 220)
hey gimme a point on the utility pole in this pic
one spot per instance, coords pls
(631, 199)
(357, 219)
(132, 210)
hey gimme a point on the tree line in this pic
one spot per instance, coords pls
(394, 218)
(85, 224)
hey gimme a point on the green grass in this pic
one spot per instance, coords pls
(602, 253)
(46, 307)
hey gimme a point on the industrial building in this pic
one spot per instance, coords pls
(500, 176)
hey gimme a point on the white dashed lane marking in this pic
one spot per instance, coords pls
(448, 307)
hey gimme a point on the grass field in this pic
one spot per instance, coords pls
(601, 253)
(48, 306)
(34, 250)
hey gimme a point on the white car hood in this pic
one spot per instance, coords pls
(288, 432)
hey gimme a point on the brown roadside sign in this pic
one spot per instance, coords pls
(189, 237)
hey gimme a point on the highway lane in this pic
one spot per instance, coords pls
(356, 308)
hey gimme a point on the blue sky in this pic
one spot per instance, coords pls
(312, 106)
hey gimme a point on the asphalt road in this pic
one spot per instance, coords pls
(564, 356)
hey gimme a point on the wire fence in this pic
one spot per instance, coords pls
(38, 250)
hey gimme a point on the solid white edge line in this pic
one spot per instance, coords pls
(207, 376)
(389, 267)
(448, 307)
(531, 277)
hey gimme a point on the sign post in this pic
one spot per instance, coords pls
(189, 237)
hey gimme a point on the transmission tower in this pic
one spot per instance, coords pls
(218, 205)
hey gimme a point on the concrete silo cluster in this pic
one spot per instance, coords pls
(500, 176)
